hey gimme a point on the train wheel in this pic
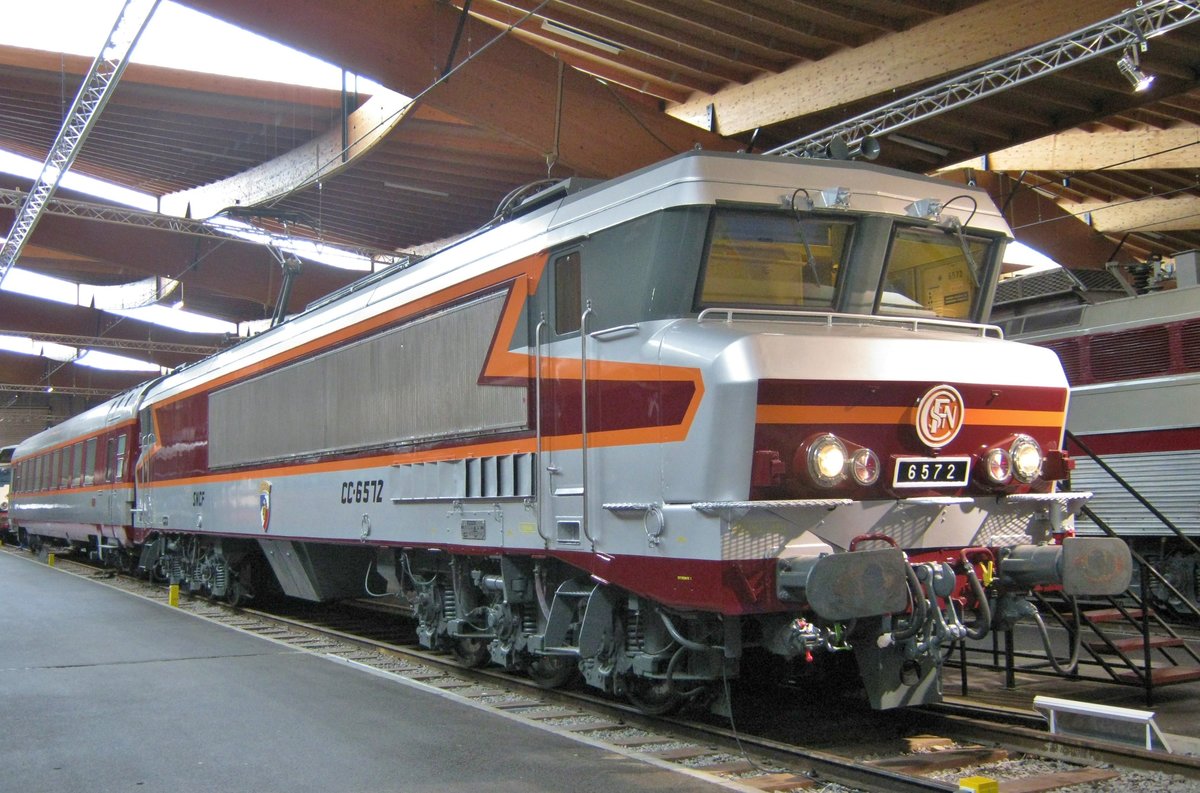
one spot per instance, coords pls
(470, 652)
(240, 590)
(652, 697)
(550, 671)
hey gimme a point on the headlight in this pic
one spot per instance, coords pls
(996, 466)
(864, 466)
(1026, 458)
(827, 460)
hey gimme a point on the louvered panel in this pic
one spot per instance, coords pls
(1071, 358)
(416, 382)
(1189, 335)
(1167, 480)
(1143, 352)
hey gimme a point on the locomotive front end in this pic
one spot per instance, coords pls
(896, 461)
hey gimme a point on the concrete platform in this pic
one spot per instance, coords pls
(103, 691)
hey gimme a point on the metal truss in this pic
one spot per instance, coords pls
(106, 213)
(1128, 29)
(109, 343)
(93, 95)
(68, 390)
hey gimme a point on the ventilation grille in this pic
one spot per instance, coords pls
(1032, 287)
(1144, 352)
(1071, 356)
(502, 476)
(1189, 337)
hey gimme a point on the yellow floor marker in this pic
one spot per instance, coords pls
(978, 784)
(50, 559)
(173, 595)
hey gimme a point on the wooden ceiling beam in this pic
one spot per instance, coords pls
(929, 51)
(305, 165)
(732, 29)
(654, 81)
(647, 46)
(1178, 213)
(882, 17)
(509, 89)
(813, 36)
(1178, 147)
(31, 68)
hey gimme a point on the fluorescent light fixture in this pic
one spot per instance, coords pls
(414, 189)
(574, 34)
(921, 145)
(1127, 65)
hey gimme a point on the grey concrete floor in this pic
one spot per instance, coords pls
(102, 691)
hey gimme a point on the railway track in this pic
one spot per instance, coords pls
(782, 743)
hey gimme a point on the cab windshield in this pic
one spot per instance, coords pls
(933, 273)
(773, 260)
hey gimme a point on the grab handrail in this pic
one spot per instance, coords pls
(830, 318)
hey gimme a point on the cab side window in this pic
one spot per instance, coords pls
(568, 290)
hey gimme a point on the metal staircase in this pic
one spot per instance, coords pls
(1130, 637)
(1127, 636)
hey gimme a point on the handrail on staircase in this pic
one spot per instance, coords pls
(1143, 563)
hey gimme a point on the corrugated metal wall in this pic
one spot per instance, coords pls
(1166, 479)
(416, 382)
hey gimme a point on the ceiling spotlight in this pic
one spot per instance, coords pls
(1127, 64)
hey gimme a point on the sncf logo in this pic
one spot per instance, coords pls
(939, 416)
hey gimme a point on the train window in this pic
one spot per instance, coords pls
(568, 291)
(930, 272)
(77, 465)
(119, 463)
(89, 461)
(57, 479)
(773, 260)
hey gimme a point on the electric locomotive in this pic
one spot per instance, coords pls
(649, 432)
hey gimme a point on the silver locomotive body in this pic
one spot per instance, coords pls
(646, 432)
